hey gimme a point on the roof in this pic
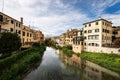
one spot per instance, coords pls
(9, 16)
(97, 20)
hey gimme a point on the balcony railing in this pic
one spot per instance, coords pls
(4, 21)
(3, 30)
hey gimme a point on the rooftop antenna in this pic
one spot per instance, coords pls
(3, 6)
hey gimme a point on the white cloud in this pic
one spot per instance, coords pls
(99, 6)
(38, 13)
(56, 17)
(114, 18)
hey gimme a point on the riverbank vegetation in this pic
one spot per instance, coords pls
(14, 66)
(9, 42)
(66, 50)
(110, 61)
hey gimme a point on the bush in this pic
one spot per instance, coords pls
(13, 67)
(9, 42)
(69, 47)
(36, 44)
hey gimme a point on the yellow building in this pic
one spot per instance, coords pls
(116, 31)
(97, 33)
(27, 35)
(38, 36)
(10, 24)
(78, 38)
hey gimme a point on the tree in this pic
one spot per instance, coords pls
(9, 42)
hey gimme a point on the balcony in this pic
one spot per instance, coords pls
(4, 21)
(3, 30)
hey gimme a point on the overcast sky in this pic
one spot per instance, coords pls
(54, 17)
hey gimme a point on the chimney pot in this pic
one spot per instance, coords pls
(21, 19)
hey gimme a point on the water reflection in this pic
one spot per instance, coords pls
(88, 70)
(56, 65)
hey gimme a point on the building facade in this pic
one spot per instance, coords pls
(96, 36)
(78, 42)
(27, 35)
(97, 33)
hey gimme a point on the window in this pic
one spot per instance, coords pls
(85, 37)
(85, 44)
(103, 30)
(85, 31)
(16, 31)
(96, 23)
(96, 37)
(93, 37)
(89, 31)
(89, 44)
(103, 23)
(23, 33)
(11, 29)
(19, 25)
(12, 21)
(108, 31)
(30, 35)
(0, 28)
(102, 37)
(81, 43)
(92, 44)
(96, 30)
(1, 18)
(85, 25)
(27, 34)
(89, 24)
(19, 32)
(16, 24)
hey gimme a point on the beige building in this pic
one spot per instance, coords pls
(27, 35)
(69, 36)
(62, 40)
(38, 36)
(78, 38)
(116, 31)
(97, 33)
(10, 24)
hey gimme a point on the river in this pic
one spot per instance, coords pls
(55, 65)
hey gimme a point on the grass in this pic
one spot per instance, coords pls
(110, 61)
(17, 64)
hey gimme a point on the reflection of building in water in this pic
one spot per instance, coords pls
(96, 72)
(88, 70)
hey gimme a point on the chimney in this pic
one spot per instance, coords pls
(21, 19)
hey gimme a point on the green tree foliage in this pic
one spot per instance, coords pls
(9, 42)
(36, 44)
(16, 65)
(49, 42)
